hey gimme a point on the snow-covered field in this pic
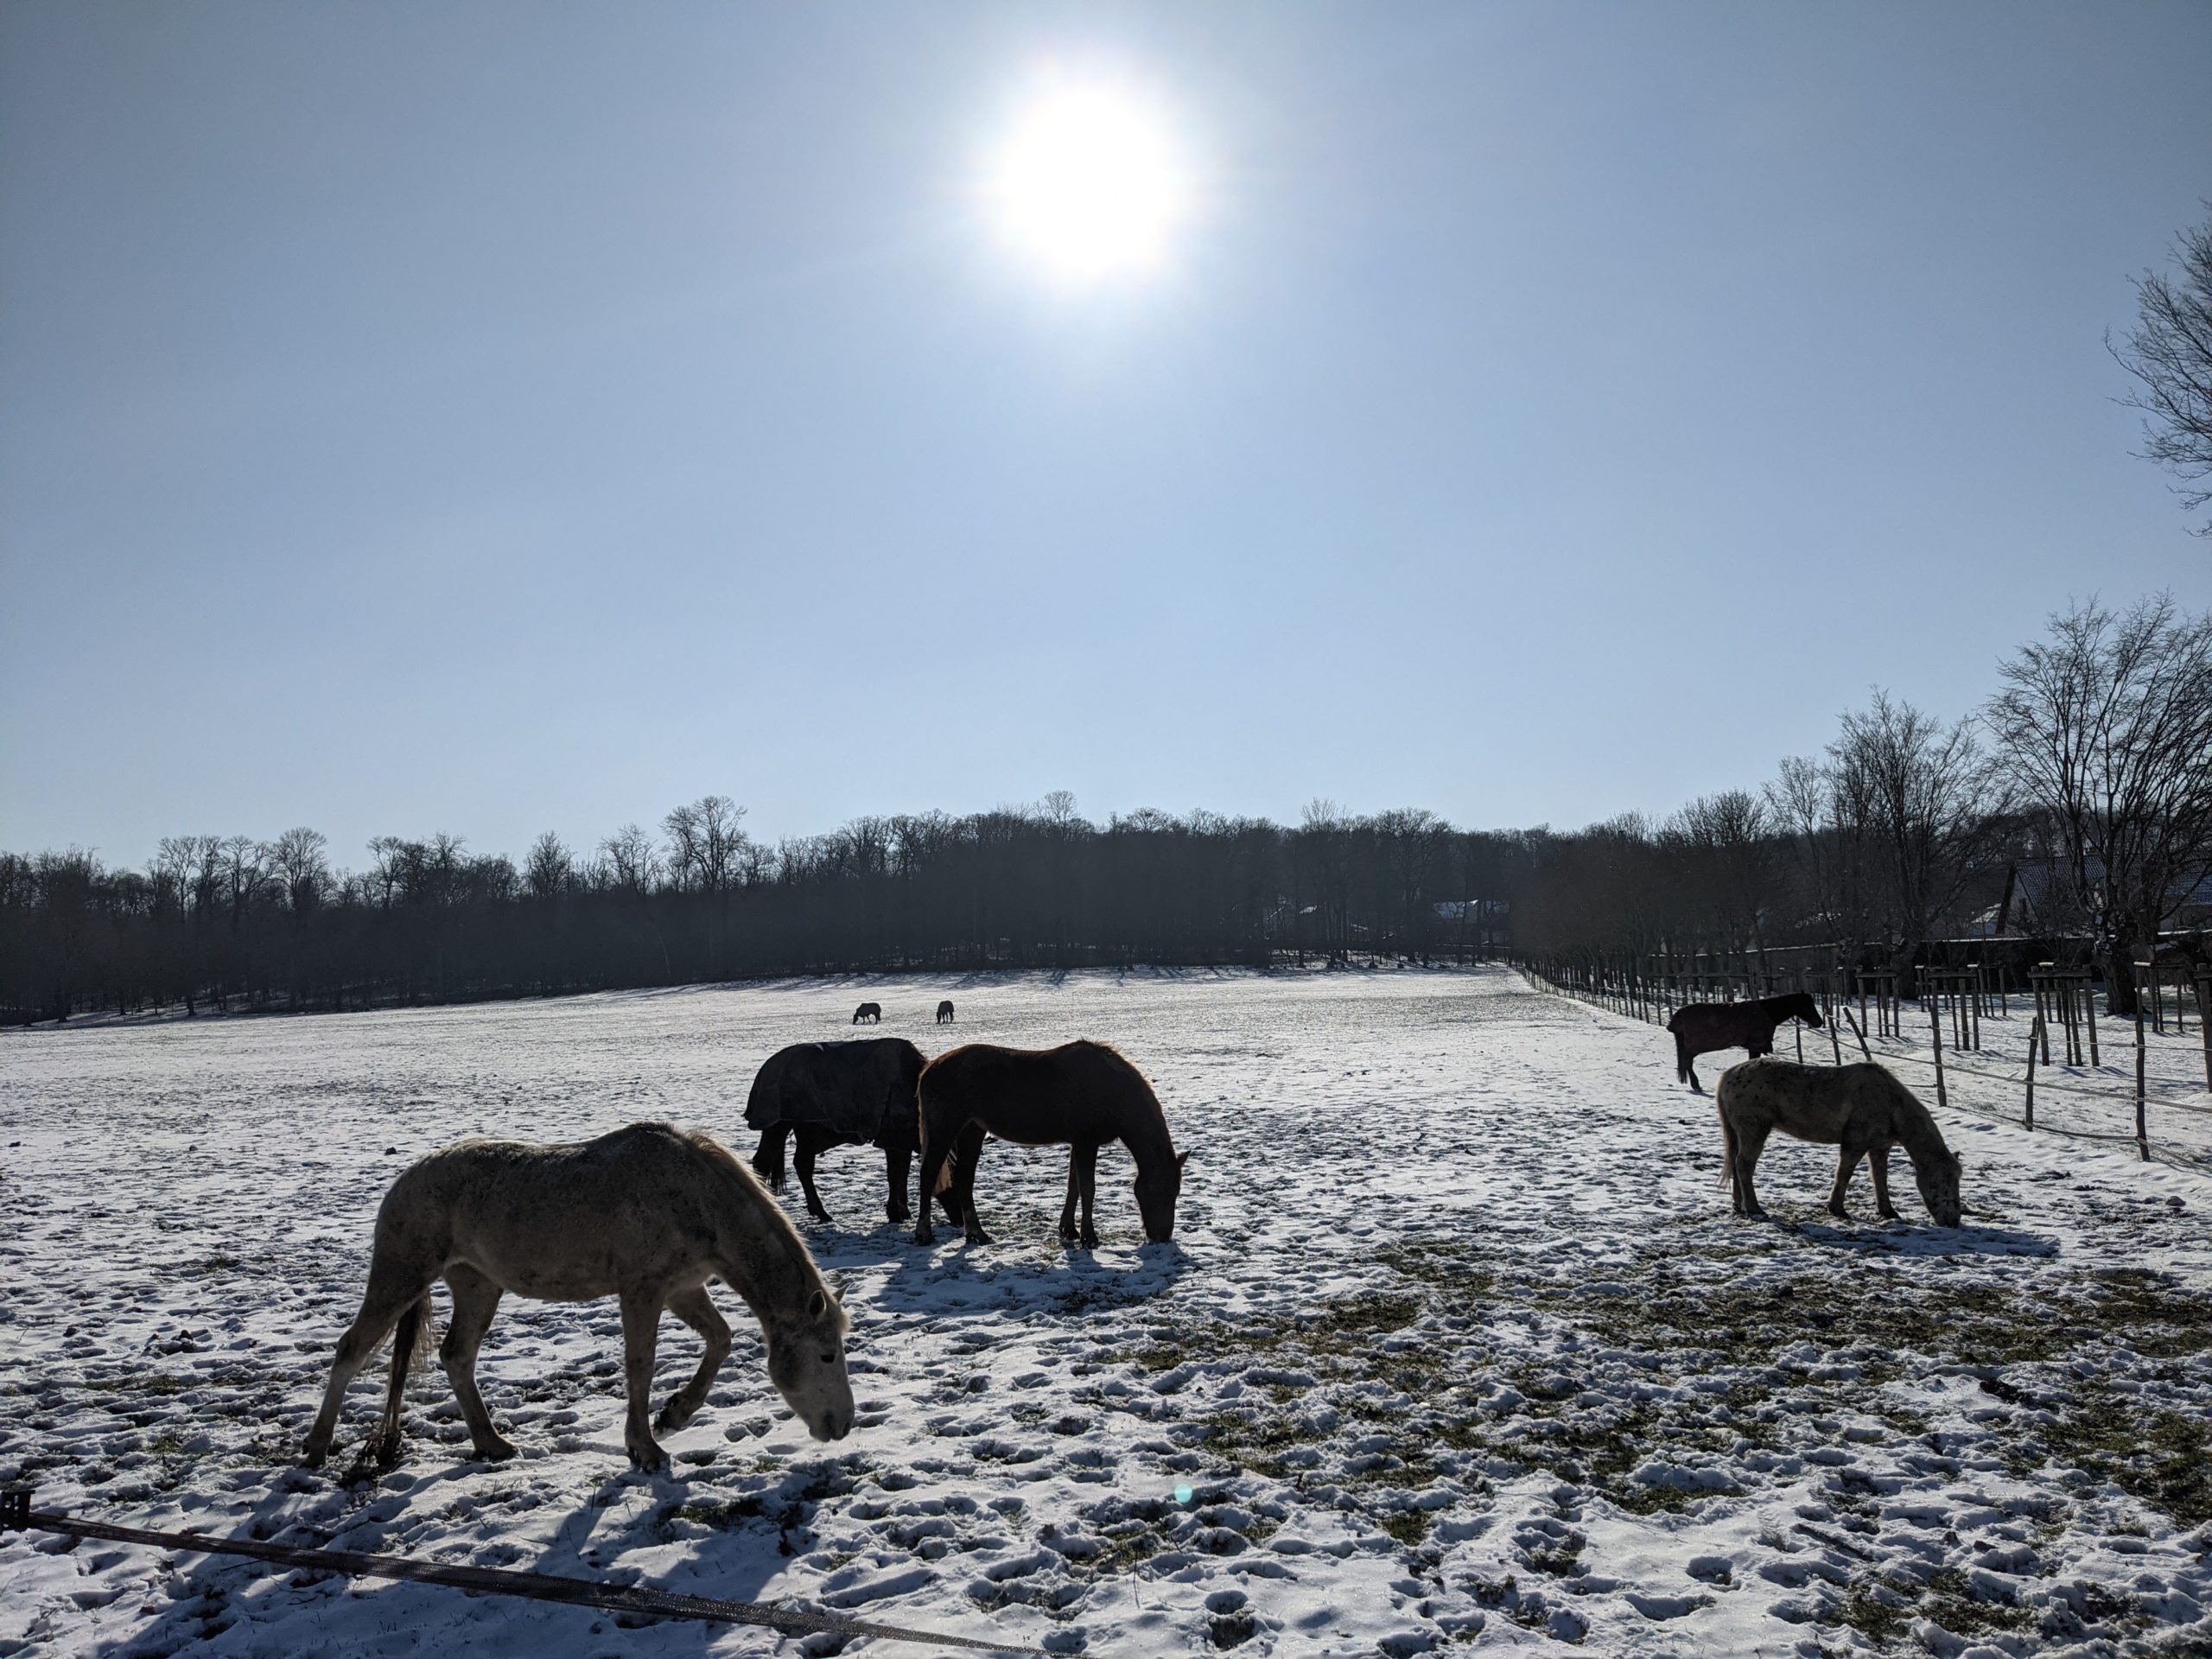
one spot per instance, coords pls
(1457, 1344)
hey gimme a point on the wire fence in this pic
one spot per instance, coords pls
(634, 1600)
(2043, 1065)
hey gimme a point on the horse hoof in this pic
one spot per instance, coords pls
(496, 1451)
(1090, 1241)
(977, 1235)
(652, 1461)
(923, 1236)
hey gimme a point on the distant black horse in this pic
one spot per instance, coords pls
(944, 1012)
(868, 1014)
(838, 1095)
(1701, 1027)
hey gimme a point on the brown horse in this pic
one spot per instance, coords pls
(1701, 1027)
(1079, 1095)
(868, 1014)
(1861, 1110)
(944, 1012)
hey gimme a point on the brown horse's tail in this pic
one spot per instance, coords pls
(1727, 1137)
(943, 1177)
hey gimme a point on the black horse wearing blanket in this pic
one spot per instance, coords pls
(1702, 1027)
(838, 1095)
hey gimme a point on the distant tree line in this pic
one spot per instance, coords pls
(2088, 774)
(216, 921)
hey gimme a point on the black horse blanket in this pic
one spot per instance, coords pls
(860, 1092)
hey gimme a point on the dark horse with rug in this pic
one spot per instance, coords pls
(1079, 1095)
(825, 1095)
(1703, 1027)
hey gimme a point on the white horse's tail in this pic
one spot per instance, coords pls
(415, 1338)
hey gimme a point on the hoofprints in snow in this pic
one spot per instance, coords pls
(1458, 1342)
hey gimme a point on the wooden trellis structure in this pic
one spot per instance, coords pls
(2064, 998)
(1958, 992)
(1881, 985)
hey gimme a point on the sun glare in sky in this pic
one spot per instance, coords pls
(1088, 182)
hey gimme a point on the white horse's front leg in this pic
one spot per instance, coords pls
(696, 1309)
(640, 1332)
(1846, 1160)
(1878, 1161)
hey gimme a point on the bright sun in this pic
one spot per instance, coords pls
(1088, 182)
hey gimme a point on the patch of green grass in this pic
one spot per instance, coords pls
(1882, 1608)
(1875, 1610)
(1409, 1527)
(2162, 1458)
(2159, 1318)
(1131, 1543)
(719, 1514)
(1951, 1602)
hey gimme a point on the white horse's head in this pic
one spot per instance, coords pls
(806, 1362)
(1937, 1177)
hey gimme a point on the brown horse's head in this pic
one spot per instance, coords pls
(1157, 1191)
(1937, 1177)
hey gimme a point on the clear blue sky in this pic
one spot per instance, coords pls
(494, 418)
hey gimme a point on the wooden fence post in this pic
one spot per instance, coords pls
(1935, 1030)
(2204, 1021)
(2142, 1132)
(1859, 1032)
(2028, 1121)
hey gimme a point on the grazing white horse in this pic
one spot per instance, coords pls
(1861, 1110)
(645, 1214)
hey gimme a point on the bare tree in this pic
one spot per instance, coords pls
(245, 874)
(193, 865)
(1802, 801)
(704, 841)
(548, 871)
(2170, 354)
(1926, 793)
(297, 856)
(2109, 723)
(632, 859)
(1730, 839)
(384, 877)
(1321, 846)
